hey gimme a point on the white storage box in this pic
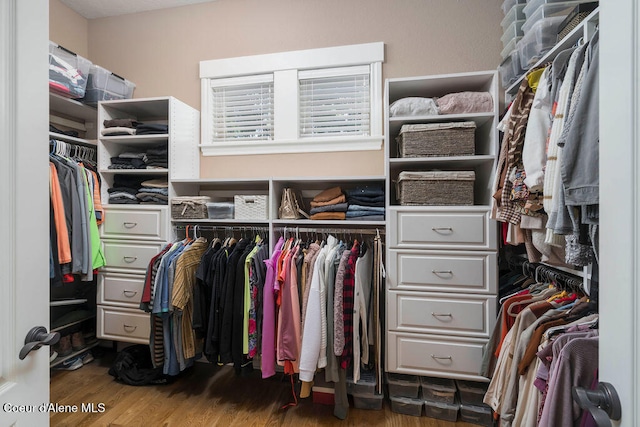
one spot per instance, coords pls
(103, 85)
(68, 72)
(549, 10)
(538, 41)
(220, 210)
(516, 13)
(254, 207)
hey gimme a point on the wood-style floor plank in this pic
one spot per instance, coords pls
(206, 395)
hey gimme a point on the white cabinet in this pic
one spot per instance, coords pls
(441, 284)
(134, 233)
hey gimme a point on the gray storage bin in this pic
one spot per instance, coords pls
(471, 393)
(480, 415)
(401, 385)
(438, 389)
(406, 405)
(365, 385)
(441, 410)
(437, 139)
(367, 401)
(430, 188)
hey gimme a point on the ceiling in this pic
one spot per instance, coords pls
(91, 9)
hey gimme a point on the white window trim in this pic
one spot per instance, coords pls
(285, 67)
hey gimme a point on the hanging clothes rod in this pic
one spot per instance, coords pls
(330, 230)
(200, 227)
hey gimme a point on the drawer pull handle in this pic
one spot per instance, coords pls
(129, 224)
(441, 314)
(433, 356)
(129, 328)
(130, 259)
(442, 272)
(443, 230)
(129, 294)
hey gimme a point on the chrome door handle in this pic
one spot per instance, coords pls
(442, 230)
(129, 224)
(433, 356)
(442, 271)
(130, 259)
(129, 294)
(441, 314)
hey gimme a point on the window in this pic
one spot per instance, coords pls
(293, 102)
(335, 104)
(242, 109)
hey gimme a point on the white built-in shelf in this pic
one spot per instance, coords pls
(71, 107)
(232, 222)
(59, 303)
(135, 139)
(325, 223)
(135, 171)
(59, 360)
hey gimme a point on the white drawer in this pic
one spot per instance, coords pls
(119, 324)
(441, 229)
(129, 256)
(434, 355)
(444, 271)
(441, 313)
(124, 290)
(147, 224)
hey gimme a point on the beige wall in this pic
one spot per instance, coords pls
(160, 51)
(68, 28)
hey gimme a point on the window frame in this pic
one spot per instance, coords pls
(285, 68)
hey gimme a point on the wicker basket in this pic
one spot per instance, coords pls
(437, 139)
(189, 207)
(251, 207)
(435, 188)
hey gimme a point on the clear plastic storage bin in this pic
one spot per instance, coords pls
(103, 85)
(508, 4)
(471, 393)
(68, 72)
(441, 410)
(533, 5)
(549, 10)
(365, 385)
(220, 210)
(538, 41)
(513, 32)
(510, 69)
(367, 401)
(407, 406)
(508, 49)
(438, 389)
(515, 14)
(480, 415)
(403, 385)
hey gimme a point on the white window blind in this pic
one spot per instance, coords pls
(242, 108)
(335, 102)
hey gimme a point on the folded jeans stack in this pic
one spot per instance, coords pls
(154, 192)
(366, 202)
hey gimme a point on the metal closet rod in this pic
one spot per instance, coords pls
(199, 227)
(330, 230)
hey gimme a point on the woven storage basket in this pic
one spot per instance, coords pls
(437, 139)
(251, 207)
(189, 207)
(435, 188)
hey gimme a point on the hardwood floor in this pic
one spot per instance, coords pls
(206, 395)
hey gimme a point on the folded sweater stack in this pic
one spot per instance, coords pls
(329, 204)
(128, 189)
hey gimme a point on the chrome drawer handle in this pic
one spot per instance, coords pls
(129, 328)
(433, 356)
(129, 224)
(129, 294)
(442, 230)
(441, 314)
(442, 272)
(130, 259)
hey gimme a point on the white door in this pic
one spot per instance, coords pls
(24, 208)
(620, 203)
